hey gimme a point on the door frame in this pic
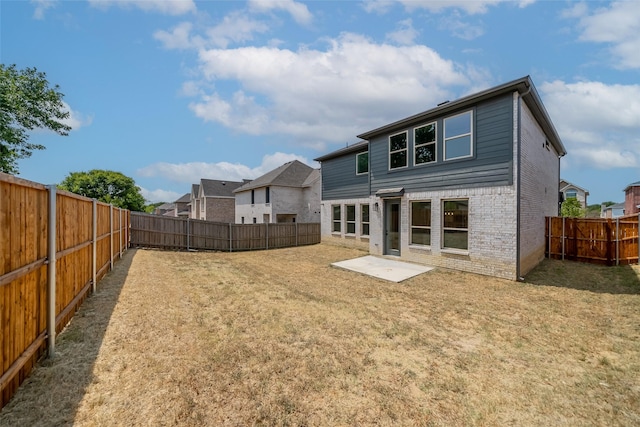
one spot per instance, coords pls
(387, 226)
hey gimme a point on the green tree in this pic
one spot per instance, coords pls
(106, 186)
(572, 208)
(26, 103)
(152, 206)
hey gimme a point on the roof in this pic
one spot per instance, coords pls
(166, 206)
(184, 199)
(353, 148)
(616, 206)
(218, 188)
(566, 184)
(633, 184)
(195, 189)
(291, 174)
(524, 86)
(313, 177)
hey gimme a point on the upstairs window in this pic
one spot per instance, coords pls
(571, 194)
(424, 138)
(458, 136)
(253, 197)
(267, 196)
(398, 151)
(362, 163)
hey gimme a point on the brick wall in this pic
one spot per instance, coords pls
(220, 209)
(632, 200)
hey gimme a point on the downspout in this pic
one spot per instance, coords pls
(518, 183)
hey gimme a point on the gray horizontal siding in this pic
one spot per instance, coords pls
(339, 179)
(492, 164)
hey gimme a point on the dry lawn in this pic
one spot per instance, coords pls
(280, 338)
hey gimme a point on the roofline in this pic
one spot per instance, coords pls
(633, 184)
(353, 148)
(523, 85)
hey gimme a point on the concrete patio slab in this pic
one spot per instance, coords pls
(383, 268)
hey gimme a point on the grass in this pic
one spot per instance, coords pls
(281, 338)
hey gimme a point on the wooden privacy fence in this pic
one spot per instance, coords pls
(182, 233)
(595, 240)
(54, 247)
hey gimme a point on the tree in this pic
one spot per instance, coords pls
(26, 102)
(152, 207)
(106, 186)
(572, 208)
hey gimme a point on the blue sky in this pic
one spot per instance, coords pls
(168, 92)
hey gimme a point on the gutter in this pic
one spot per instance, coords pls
(519, 179)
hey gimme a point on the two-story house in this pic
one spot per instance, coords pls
(632, 198)
(289, 193)
(465, 185)
(572, 191)
(215, 200)
(194, 202)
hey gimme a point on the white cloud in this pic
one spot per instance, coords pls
(405, 35)
(194, 171)
(155, 196)
(236, 27)
(599, 123)
(471, 7)
(319, 96)
(298, 11)
(617, 26)
(41, 7)
(459, 28)
(179, 37)
(167, 7)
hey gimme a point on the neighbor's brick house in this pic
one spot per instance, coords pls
(465, 185)
(632, 199)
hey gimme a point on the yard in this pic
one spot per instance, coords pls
(281, 338)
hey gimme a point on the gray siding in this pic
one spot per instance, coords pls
(491, 165)
(339, 179)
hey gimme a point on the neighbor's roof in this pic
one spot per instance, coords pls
(523, 85)
(166, 206)
(218, 188)
(184, 199)
(313, 177)
(195, 189)
(566, 184)
(633, 184)
(291, 174)
(353, 148)
(615, 206)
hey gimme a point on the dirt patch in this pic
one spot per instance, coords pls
(281, 338)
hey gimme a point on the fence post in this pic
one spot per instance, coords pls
(549, 243)
(94, 254)
(638, 228)
(266, 224)
(51, 273)
(563, 238)
(617, 241)
(120, 232)
(230, 238)
(111, 236)
(188, 234)
(296, 234)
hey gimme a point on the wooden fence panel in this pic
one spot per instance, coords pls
(24, 232)
(595, 240)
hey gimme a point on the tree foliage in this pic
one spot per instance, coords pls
(106, 186)
(26, 103)
(572, 208)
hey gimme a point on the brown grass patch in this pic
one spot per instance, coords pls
(281, 338)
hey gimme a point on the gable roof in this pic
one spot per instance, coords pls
(633, 184)
(291, 174)
(566, 184)
(184, 199)
(218, 188)
(524, 86)
(313, 177)
(195, 190)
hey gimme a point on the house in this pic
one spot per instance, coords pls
(572, 191)
(289, 193)
(612, 211)
(632, 199)
(465, 185)
(181, 208)
(165, 209)
(194, 202)
(215, 200)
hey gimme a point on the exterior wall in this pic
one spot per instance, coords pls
(303, 203)
(218, 209)
(491, 164)
(257, 210)
(352, 240)
(339, 179)
(632, 200)
(311, 200)
(581, 195)
(539, 181)
(289, 201)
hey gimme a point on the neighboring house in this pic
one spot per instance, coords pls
(612, 211)
(194, 202)
(572, 191)
(466, 185)
(632, 199)
(215, 200)
(182, 206)
(164, 209)
(289, 193)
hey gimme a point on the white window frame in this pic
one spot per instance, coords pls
(363, 222)
(434, 143)
(335, 220)
(421, 227)
(444, 229)
(445, 139)
(358, 163)
(406, 149)
(348, 222)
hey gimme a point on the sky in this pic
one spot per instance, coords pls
(169, 92)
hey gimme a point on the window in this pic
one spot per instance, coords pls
(362, 163)
(364, 219)
(267, 196)
(455, 222)
(254, 220)
(351, 219)
(424, 140)
(243, 220)
(336, 218)
(421, 223)
(398, 151)
(253, 197)
(572, 194)
(458, 136)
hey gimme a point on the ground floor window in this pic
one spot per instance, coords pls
(421, 223)
(455, 224)
(335, 218)
(364, 219)
(350, 219)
